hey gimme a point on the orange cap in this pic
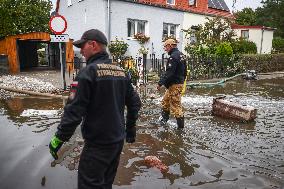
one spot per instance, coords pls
(170, 42)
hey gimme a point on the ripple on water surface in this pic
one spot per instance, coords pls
(210, 152)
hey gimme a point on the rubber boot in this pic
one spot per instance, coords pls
(165, 117)
(180, 122)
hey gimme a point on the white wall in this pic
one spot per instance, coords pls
(84, 15)
(88, 14)
(121, 11)
(255, 35)
(191, 19)
(267, 41)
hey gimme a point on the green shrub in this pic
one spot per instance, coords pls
(263, 63)
(117, 48)
(278, 45)
(198, 50)
(244, 47)
(224, 49)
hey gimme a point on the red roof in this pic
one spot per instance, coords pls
(181, 5)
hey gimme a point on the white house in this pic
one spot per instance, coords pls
(262, 36)
(124, 18)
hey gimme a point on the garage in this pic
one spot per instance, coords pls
(30, 51)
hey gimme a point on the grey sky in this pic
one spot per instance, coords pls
(239, 5)
(243, 4)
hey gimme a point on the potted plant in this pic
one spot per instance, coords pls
(118, 48)
(142, 39)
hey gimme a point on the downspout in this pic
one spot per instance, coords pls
(262, 29)
(108, 20)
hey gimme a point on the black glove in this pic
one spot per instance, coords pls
(130, 134)
(54, 145)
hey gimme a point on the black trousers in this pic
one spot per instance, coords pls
(98, 165)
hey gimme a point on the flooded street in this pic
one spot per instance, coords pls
(210, 152)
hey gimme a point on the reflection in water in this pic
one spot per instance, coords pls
(39, 113)
(210, 152)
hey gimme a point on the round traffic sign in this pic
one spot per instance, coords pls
(57, 24)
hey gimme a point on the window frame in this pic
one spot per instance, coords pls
(169, 30)
(136, 21)
(189, 3)
(243, 32)
(170, 3)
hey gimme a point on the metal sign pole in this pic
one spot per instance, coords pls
(62, 67)
(58, 25)
(63, 46)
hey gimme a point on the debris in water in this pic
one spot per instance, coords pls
(43, 179)
(233, 110)
(250, 75)
(25, 83)
(154, 161)
(52, 164)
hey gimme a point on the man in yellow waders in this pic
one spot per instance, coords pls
(173, 80)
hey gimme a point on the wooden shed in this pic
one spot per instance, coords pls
(22, 50)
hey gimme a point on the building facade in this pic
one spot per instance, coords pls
(260, 35)
(123, 19)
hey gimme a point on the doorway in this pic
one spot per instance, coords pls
(37, 54)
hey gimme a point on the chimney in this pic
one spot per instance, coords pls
(202, 5)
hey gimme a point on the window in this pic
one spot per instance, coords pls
(192, 2)
(169, 30)
(136, 26)
(170, 2)
(245, 34)
(193, 38)
(69, 3)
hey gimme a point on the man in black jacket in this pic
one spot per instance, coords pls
(173, 80)
(98, 96)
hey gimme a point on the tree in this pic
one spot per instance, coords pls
(271, 14)
(210, 35)
(118, 49)
(22, 16)
(247, 17)
(278, 45)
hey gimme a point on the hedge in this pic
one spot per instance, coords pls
(215, 67)
(263, 62)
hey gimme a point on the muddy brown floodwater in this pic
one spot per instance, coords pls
(210, 152)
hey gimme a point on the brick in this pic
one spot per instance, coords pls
(154, 161)
(227, 109)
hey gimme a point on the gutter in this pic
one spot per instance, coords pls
(262, 32)
(108, 20)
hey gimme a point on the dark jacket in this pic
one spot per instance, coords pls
(176, 69)
(99, 95)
